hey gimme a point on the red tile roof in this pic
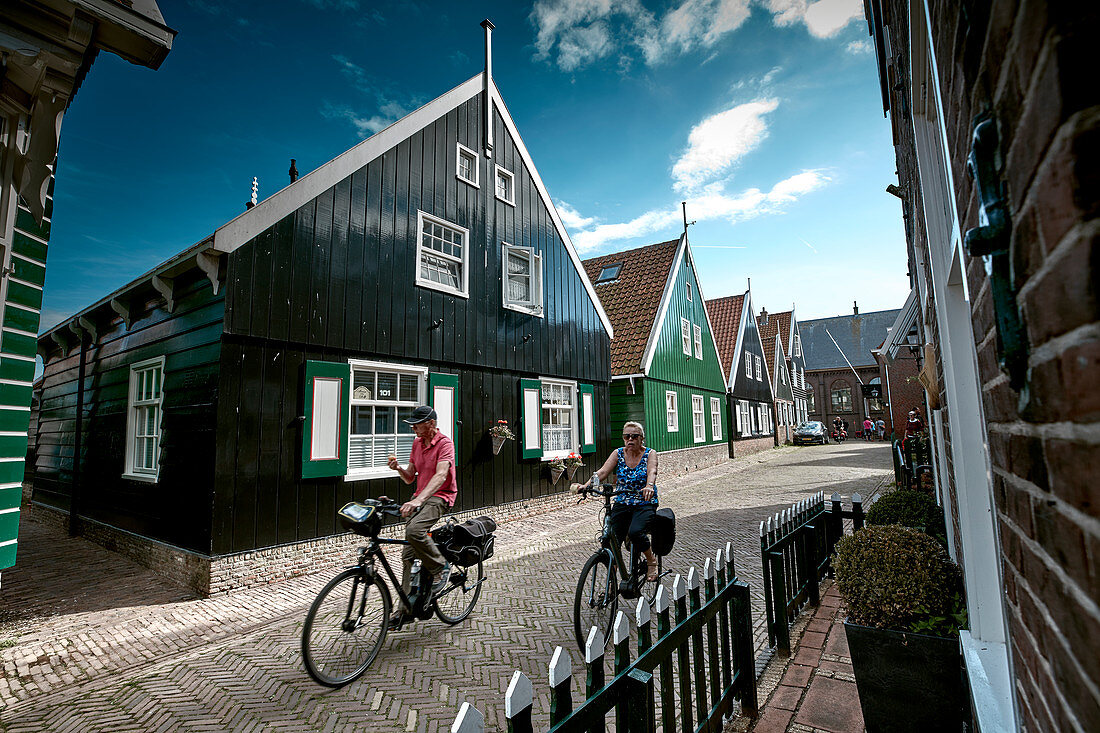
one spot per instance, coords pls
(778, 323)
(632, 299)
(725, 319)
(769, 355)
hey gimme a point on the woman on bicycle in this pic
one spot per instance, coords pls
(635, 469)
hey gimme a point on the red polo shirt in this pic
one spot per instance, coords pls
(426, 456)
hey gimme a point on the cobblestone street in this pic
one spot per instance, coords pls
(90, 641)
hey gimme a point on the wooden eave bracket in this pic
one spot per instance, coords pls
(164, 286)
(43, 349)
(61, 339)
(89, 327)
(211, 265)
(123, 309)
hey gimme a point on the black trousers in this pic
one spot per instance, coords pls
(632, 520)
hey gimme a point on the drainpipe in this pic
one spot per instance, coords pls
(74, 499)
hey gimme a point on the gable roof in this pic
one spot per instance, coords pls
(725, 319)
(777, 323)
(773, 345)
(245, 227)
(633, 299)
(856, 335)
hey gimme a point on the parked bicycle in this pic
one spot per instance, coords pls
(599, 587)
(348, 622)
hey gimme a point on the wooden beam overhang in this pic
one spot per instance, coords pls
(166, 287)
(123, 309)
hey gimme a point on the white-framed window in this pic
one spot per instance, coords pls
(505, 186)
(688, 286)
(797, 346)
(748, 364)
(467, 166)
(672, 416)
(143, 420)
(442, 255)
(746, 420)
(758, 372)
(522, 279)
(782, 376)
(685, 335)
(715, 418)
(382, 396)
(559, 418)
(698, 419)
(698, 333)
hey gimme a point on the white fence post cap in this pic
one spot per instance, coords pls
(622, 628)
(693, 578)
(561, 667)
(729, 551)
(593, 647)
(660, 603)
(469, 720)
(520, 694)
(857, 499)
(641, 612)
(678, 588)
(708, 570)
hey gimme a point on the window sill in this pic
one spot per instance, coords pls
(506, 201)
(990, 685)
(369, 473)
(558, 454)
(537, 311)
(467, 181)
(441, 288)
(142, 477)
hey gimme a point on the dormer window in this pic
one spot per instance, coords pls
(609, 273)
(467, 165)
(506, 186)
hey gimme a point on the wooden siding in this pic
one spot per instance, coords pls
(176, 509)
(626, 406)
(744, 388)
(657, 435)
(335, 280)
(669, 362)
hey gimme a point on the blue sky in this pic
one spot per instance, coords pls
(765, 116)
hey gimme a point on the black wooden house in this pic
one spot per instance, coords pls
(233, 398)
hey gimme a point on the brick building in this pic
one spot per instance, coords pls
(1003, 263)
(840, 361)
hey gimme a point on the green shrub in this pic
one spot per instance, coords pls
(893, 577)
(912, 509)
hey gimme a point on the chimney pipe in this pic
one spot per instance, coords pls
(855, 308)
(293, 171)
(488, 26)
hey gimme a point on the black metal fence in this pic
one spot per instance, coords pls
(796, 547)
(912, 459)
(698, 662)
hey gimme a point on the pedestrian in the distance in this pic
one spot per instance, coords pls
(868, 426)
(881, 426)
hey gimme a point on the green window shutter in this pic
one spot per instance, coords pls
(443, 397)
(327, 410)
(530, 400)
(587, 397)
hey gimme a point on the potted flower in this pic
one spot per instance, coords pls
(557, 468)
(905, 608)
(500, 433)
(572, 463)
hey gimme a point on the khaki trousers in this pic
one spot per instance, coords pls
(421, 545)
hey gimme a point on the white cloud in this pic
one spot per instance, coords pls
(823, 18)
(365, 125)
(860, 47)
(572, 218)
(712, 203)
(718, 142)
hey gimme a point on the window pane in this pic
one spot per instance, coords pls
(385, 420)
(364, 385)
(409, 389)
(362, 420)
(403, 427)
(387, 386)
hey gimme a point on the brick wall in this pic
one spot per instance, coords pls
(822, 381)
(1023, 62)
(905, 392)
(742, 448)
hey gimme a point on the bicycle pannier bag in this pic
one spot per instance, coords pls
(472, 540)
(662, 530)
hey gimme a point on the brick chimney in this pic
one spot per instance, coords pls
(764, 315)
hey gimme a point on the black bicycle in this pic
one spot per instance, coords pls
(599, 587)
(348, 621)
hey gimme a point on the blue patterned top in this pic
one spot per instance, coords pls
(633, 480)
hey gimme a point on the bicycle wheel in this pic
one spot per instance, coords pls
(597, 599)
(345, 628)
(662, 579)
(454, 603)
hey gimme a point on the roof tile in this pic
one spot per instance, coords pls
(725, 319)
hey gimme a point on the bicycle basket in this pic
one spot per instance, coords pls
(361, 519)
(662, 530)
(472, 540)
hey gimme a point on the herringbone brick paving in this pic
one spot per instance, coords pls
(102, 644)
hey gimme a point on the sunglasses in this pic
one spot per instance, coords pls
(631, 436)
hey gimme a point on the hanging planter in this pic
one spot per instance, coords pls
(557, 468)
(572, 463)
(500, 433)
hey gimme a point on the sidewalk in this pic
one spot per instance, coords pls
(814, 690)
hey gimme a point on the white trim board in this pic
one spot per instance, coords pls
(662, 309)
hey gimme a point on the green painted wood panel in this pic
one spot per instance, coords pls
(9, 524)
(669, 361)
(25, 295)
(657, 434)
(12, 421)
(625, 406)
(7, 555)
(10, 497)
(32, 248)
(11, 472)
(21, 318)
(18, 370)
(25, 222)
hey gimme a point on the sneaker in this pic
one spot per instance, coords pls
(441, 579)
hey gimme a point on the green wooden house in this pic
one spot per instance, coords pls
(665, 371)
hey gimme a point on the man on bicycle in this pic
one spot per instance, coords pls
(432, 467)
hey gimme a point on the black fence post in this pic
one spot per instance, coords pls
(561, 686)
(668, 694)
(712, 634)
(782, 633)
(639, 691)
(769, 611)
(621, 639)
(679, 595)
(697, 648)
(857, 512)
(811, 563)
(746, 657)
(517, 704)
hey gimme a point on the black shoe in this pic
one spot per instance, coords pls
(441, 580)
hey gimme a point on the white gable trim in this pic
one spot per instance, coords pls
(703, 300)
(662, 310)
(245, 227)
(740, 339)
(756, 330)
(510, 125)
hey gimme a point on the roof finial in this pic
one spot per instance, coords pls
(255, 190)
(687, 223)
(488, 26)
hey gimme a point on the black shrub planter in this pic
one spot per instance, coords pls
(908, 682)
